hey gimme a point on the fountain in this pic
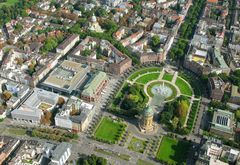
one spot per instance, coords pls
(162, 90)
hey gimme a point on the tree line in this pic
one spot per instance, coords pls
(187, 30)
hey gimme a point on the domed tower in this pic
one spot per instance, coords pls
(94, 25)
(146, 122)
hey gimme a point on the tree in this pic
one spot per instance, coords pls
(86, 52)
(92, 160)
(175, 122)
(100, 12)
(182, 108)
(109, 25)
(60, 101)
(155, 42)
(46, 117)
(6, 95)
(237, 114)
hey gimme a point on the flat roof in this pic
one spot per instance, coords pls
(223, 120)
(67, 76)
(31, 106)
(201, 53)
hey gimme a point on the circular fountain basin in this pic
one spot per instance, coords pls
(165, 90)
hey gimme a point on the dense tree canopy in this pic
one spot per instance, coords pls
(92, 160)
(18, 9)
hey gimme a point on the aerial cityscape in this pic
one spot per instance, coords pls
(120, 82)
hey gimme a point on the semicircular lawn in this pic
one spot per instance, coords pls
(184, 87)
(143, 71)
(144, 79)
(167, 84)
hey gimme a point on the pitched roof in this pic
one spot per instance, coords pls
(92, 85)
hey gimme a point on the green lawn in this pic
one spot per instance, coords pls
(137, 145)
(17, 131)
(167, 77)
(184, 88)
(173, 151)
(147, 78)
(142, 71)
(109, 130)
(8, 3)
(143, 162)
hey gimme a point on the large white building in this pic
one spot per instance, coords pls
(32, 109)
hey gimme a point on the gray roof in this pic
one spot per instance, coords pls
(60, 150)
(223, 121)
(67, 41)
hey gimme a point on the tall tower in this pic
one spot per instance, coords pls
(146, 122)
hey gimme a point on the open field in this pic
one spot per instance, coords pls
(173, 151)
(8, 3)
(147, 78)
(184, 88)
(109, 130)
(137, 145)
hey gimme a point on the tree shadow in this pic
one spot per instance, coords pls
(181, 152)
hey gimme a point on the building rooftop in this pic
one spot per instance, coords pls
(148, 111)
(92, 85)
(36, 102)
(67, 76)
(219, 57)
(67, 41)
(60, 150)
(217, 83)
(235, 92)
(223, 121)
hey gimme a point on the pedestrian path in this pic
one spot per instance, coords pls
(161, 74)
(174, 77)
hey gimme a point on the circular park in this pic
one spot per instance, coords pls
(161, 83)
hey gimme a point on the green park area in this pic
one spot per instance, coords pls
(8, 3)
(167, 77)
(143, 71)
(109, 131)
(183, 86)
(147, 78)
(137, 145)
(173, 151)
